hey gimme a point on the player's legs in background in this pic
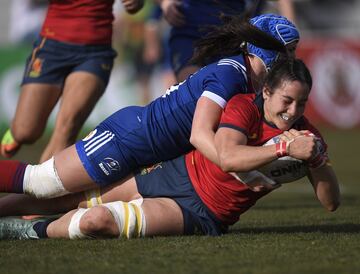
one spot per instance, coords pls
(81, 92)
(181, 49)
(34, 106)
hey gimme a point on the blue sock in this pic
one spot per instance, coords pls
(41, 226)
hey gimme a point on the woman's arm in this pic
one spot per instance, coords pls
(326, 186)
(236, 156)
(321, 175)
(205, 123)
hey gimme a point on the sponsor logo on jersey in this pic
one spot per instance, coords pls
(101, 165)
(109, 166)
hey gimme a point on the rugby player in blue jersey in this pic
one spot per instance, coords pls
(186, 116)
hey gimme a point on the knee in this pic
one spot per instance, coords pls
(26, 134)
(98, 222)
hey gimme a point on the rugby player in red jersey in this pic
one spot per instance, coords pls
(72, 60)
(191, 194)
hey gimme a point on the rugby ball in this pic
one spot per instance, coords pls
(285, 169)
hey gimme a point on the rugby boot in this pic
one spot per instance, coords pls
(18, 229)
(8, 145)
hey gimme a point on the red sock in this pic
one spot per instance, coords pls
(12, 176)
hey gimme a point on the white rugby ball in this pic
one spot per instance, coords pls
(285, 169)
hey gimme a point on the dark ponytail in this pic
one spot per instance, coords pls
(230, 39)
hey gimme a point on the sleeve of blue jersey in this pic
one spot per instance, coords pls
(226, 79)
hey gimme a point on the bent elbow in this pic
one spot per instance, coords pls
(223, 163)
(226, 168)
(226, 164)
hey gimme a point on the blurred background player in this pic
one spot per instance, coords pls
(139, 40)
(190, 194)
(72, 60)
(190, 20)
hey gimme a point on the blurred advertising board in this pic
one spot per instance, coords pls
(335, 67)
(334, 99)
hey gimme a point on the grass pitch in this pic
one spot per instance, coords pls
(286, 232)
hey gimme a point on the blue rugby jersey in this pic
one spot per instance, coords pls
(168, 119)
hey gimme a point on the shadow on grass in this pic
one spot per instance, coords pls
(346, 200)
(338, 228)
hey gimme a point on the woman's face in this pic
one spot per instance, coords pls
(286, 103)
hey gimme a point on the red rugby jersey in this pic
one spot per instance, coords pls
(224, 195)
(79, 21)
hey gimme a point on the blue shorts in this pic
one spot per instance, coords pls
(52, 61)
(117, 147)
(181, 49)
(170, 179)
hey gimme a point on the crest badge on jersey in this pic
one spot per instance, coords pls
(149, 169)
(36, 68)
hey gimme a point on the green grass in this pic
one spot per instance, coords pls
(286, 232)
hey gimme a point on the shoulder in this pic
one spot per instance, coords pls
(234, 64)
(243, 102)
(242, 105)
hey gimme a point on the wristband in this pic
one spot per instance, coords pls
(282, 148)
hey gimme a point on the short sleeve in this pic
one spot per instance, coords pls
(226, 79)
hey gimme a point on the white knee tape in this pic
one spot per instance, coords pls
(42, 181)
(74, 226)
(129, 218)
(93, 197)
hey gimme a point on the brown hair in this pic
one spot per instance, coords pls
(230, 39)
(287, 69)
